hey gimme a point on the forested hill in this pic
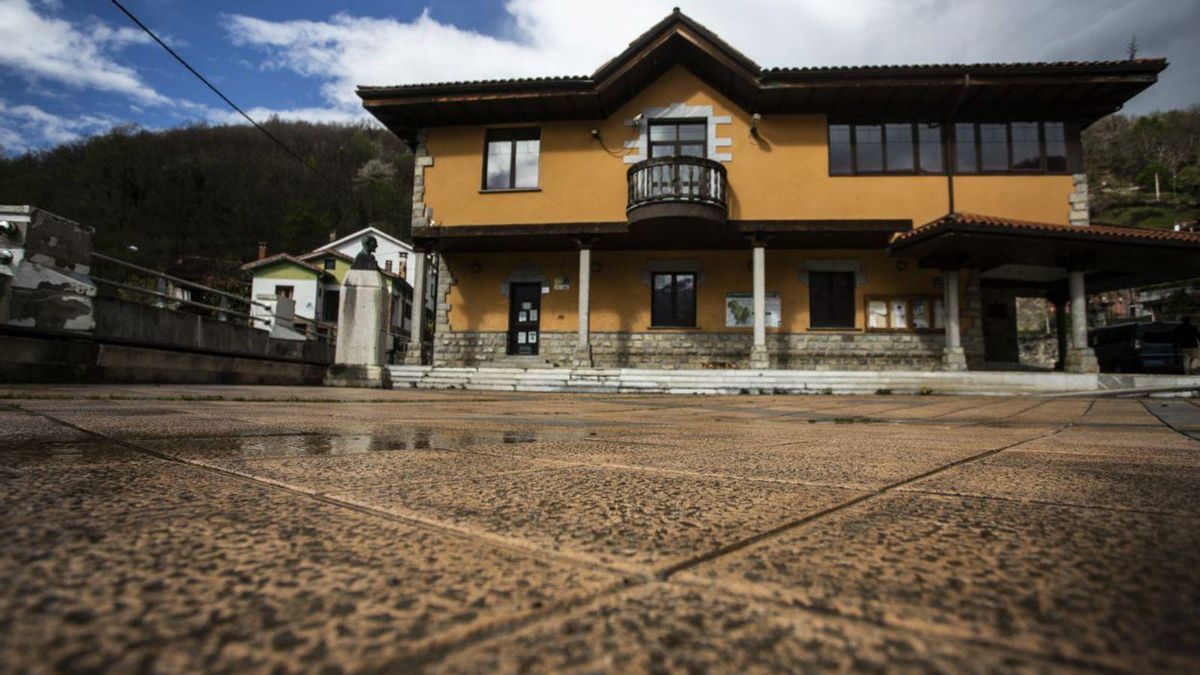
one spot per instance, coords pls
(1124, 154)
(215, 192)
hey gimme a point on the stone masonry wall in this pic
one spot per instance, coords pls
(797, 351)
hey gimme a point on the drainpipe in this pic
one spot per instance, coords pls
(948, 156)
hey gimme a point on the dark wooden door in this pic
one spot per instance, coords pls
(524, 318)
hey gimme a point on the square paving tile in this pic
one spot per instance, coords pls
(283, 584)
(664, 629)
(640, 517)
(1119, 587)
(360, 471)
(1168, 485)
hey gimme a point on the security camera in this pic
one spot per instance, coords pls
(637, 119)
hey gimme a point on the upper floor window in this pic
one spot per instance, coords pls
(673, 138)
(330, 264)
(1011, 147)
(894, 147)
(511, 160)
(989, 147)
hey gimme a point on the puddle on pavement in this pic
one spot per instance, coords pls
(399, 440)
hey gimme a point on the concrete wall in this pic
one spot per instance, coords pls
(26, 356)
(140, 343)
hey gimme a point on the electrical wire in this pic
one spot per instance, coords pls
(218, 92)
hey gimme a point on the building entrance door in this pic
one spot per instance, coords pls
(524, 318)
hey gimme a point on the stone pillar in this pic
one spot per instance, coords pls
(953, 356)
(1078, 213)
(363, 332)
(759, 357)
(1080, 359)
(583, 348)
(413, 356)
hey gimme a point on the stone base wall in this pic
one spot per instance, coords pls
(796, 351)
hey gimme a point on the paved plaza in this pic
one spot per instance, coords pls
(257, 529)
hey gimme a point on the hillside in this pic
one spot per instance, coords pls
(215, 192)
(1123, 156)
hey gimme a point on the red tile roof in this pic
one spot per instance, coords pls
(977, 221)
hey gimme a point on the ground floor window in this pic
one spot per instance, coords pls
(673, 300)
(831, 299)
(904, 312)
(285, 291)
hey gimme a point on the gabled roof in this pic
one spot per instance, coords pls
(319, 253)
(282, 258)
(1113, 257)
(379, 234)
(1080, 91)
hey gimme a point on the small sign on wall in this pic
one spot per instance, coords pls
(562, 283)
(739, 310)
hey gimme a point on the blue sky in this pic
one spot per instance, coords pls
(72, 68)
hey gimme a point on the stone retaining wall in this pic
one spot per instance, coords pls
(798, 351)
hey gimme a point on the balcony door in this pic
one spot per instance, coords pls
(524, 318)
(677, 138)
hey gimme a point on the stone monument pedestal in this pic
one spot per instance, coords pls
(362, 332)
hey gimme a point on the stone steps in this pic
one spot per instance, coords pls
(637, 380)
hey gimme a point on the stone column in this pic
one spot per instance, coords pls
(412, 356)
(583, 348)
(953, 356)
(759, 357)
(1080, 358)
(363, 331)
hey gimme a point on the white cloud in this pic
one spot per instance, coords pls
(24, 127)
(559, 37)
(37, 46)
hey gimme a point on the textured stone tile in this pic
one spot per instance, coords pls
(280, 585)
(1124, 412)
(1119, 587)
(360, 471)
(615, 515)
(665, 629)
(58, 493)
(22, 430)
(1148, 483)
(66, 455)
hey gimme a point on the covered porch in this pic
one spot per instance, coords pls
(1060, 263)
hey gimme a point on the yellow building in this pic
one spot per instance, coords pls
(684, 207)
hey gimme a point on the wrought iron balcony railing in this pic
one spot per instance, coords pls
(681, 180)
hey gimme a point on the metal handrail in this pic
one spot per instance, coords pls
(171, 298)
(177, 281)
(679, 178)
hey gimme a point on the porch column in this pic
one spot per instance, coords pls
(953, 357)
(583, 348)
(759, 358)
(1080, 359)
(417, 333)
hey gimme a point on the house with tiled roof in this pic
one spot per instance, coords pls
(684, 207)
(311, 282)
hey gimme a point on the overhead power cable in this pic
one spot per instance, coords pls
(218, 92)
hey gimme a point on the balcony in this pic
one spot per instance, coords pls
(680, 187)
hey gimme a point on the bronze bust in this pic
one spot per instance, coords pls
(365, 260)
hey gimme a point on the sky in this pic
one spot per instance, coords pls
(74, 68)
